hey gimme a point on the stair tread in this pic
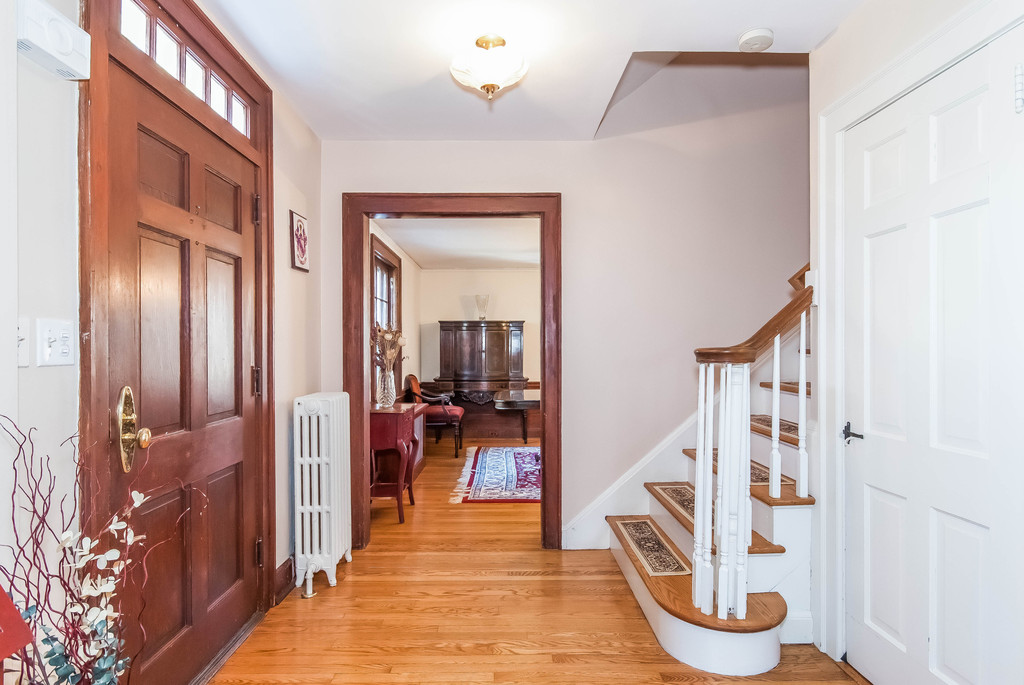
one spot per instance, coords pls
(758, 472)
(792, 387)
(765, 610)
(759, 544)
(789, 497)
(762, 425)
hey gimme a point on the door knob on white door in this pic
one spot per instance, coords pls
(848, 434)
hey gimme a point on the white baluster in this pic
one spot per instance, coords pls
(723, 392)
(775, 467)
(724, 519)
(698, 489)
(733, 460)
(745, 512)
(707, 604)
(801, 431)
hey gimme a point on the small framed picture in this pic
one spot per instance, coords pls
(300, 242)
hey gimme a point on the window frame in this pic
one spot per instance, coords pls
(158, 19)
(381, 254)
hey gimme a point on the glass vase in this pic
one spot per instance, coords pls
(386, 388)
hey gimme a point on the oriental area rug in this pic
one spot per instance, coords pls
(500, 474)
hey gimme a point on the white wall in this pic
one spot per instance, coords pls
(671, 239)
(296, 295)
(44, 254)
(411, 302)
(9, 256)
(450, 295)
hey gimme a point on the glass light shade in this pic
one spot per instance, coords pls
(489, 68)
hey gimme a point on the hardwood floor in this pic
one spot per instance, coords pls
(463, 593)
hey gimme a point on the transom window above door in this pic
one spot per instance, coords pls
(172, 52)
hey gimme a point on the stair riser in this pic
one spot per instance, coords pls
(761, 452)
(786, 526)
(733, 654)
(761, 403)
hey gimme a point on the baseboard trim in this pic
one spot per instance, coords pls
(284, 580)
(224, 654)
(798, 628)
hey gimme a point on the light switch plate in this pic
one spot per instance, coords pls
(24, 344)
(55, 342)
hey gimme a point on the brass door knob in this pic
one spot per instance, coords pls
(132, 437)
(143, 438)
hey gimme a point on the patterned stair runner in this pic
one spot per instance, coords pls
(652, 549)
(765, 421)
(682, 496)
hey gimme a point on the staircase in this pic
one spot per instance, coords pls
(721, 563)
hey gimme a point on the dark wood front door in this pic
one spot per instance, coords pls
(181, 325)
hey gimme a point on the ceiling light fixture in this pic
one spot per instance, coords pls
(490, 66)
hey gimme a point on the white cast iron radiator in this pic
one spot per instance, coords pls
(323, 499)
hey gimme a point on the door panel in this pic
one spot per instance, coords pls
(166, 613)
(223, 320)
(931, 219)
(182, 325)
(163, 170)
(223, 200)
(227, 554)
(163, 307)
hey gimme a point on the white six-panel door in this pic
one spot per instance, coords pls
(933, 259)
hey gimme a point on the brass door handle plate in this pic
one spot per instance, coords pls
(132, 436)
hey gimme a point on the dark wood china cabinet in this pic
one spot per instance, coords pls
(480, 357)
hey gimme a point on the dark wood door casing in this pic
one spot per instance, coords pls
(226, 390)
(357, 208)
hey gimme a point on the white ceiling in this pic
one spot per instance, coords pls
(378, 69)
(484, 243)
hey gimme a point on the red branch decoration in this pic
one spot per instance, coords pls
(65, 583)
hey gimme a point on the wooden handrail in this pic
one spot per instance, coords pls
(749, 350)
(798, 280)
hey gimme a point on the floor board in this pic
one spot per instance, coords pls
(463, 593)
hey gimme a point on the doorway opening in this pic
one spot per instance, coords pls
(358, 210)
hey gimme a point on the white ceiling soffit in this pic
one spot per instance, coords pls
(689, 87)
(484, 243)
(379, 70)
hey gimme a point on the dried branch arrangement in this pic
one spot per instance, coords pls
(65, 583)
(385, 345)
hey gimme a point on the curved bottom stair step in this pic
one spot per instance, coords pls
(658, 573)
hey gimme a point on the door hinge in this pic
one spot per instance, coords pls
(257, 381)
(259, 552)
(257, 209)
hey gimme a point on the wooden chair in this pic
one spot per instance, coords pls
(440, 414)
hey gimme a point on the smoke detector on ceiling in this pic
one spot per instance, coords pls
(757, 40)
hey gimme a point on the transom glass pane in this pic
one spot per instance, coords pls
(239, 114)
(168, 52)
(195, 76)
(218, 97)
(135, 25)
